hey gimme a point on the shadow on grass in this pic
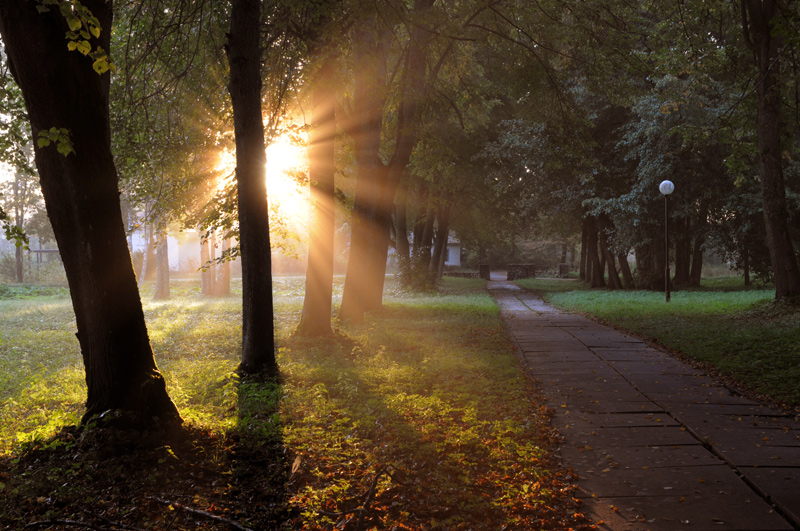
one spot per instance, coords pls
(418, 418)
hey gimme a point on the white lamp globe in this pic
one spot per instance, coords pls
(666, 187)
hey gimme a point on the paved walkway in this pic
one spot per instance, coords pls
(657, 444)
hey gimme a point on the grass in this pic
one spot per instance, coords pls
(741, 332)
(419, 418)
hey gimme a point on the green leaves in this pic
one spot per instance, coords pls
(83, 26)
(59, 137)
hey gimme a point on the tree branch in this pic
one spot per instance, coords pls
(200, 512)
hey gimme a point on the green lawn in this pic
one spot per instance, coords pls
(741, 332)
(419, 418)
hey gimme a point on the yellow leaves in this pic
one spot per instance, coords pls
(669, 107)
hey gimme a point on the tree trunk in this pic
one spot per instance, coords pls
(368, 99)
(162, 267)
(583, 268)
(62, 90)
(760, 17)
(613, 276)
(20, 263)
(317, 304)
(746, 266)
(624, 267)
(206, 274)
(440, 247)
(244, 57)
(222, 279)
(364, 282)
(597, 268)
(147, 254)
(401, 247)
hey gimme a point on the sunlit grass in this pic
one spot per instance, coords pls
(423, 404)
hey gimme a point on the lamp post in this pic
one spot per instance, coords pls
(666, 188)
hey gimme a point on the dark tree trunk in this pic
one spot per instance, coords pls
(627, 276)
(682, 255)
(746, 267)
(244, 57)
(62, 90)
(317, 305)
(402, 249)
(440, 247)
(760, 17)
(613, 276)
(583, 269)
(597, 268)
(423, 255)
(563, 258)
(162, 268)
(696, 273)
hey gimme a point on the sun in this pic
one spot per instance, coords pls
(284, 191)
(287, 197)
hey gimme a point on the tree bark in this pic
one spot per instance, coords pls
(162, 267)
(759, 17)
(440, 247)
(222, 279)
(613, 276)
(592, 257)
(19, 263)
(627, 276)
(62, 90)
(368, 100)
(584, 264)
(376, 183)
(401, 246)
(206, 274)
(244, 57)
(317, 304)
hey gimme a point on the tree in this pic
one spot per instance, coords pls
(760, 22)
(317, 304)
(244, 56)
(66, 94)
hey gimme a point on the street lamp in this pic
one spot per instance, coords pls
(666, 188)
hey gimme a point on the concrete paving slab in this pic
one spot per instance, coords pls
(573, 355)
(550, 346)
(682, 455)
(781, 484)
(701, 412)
(694, 513)
(588, 369)
(626, 353)
(632, 437)
(583, 419)
(658, 444)
(709, 481)
(654, 365)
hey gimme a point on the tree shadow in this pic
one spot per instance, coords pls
(258, 457)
